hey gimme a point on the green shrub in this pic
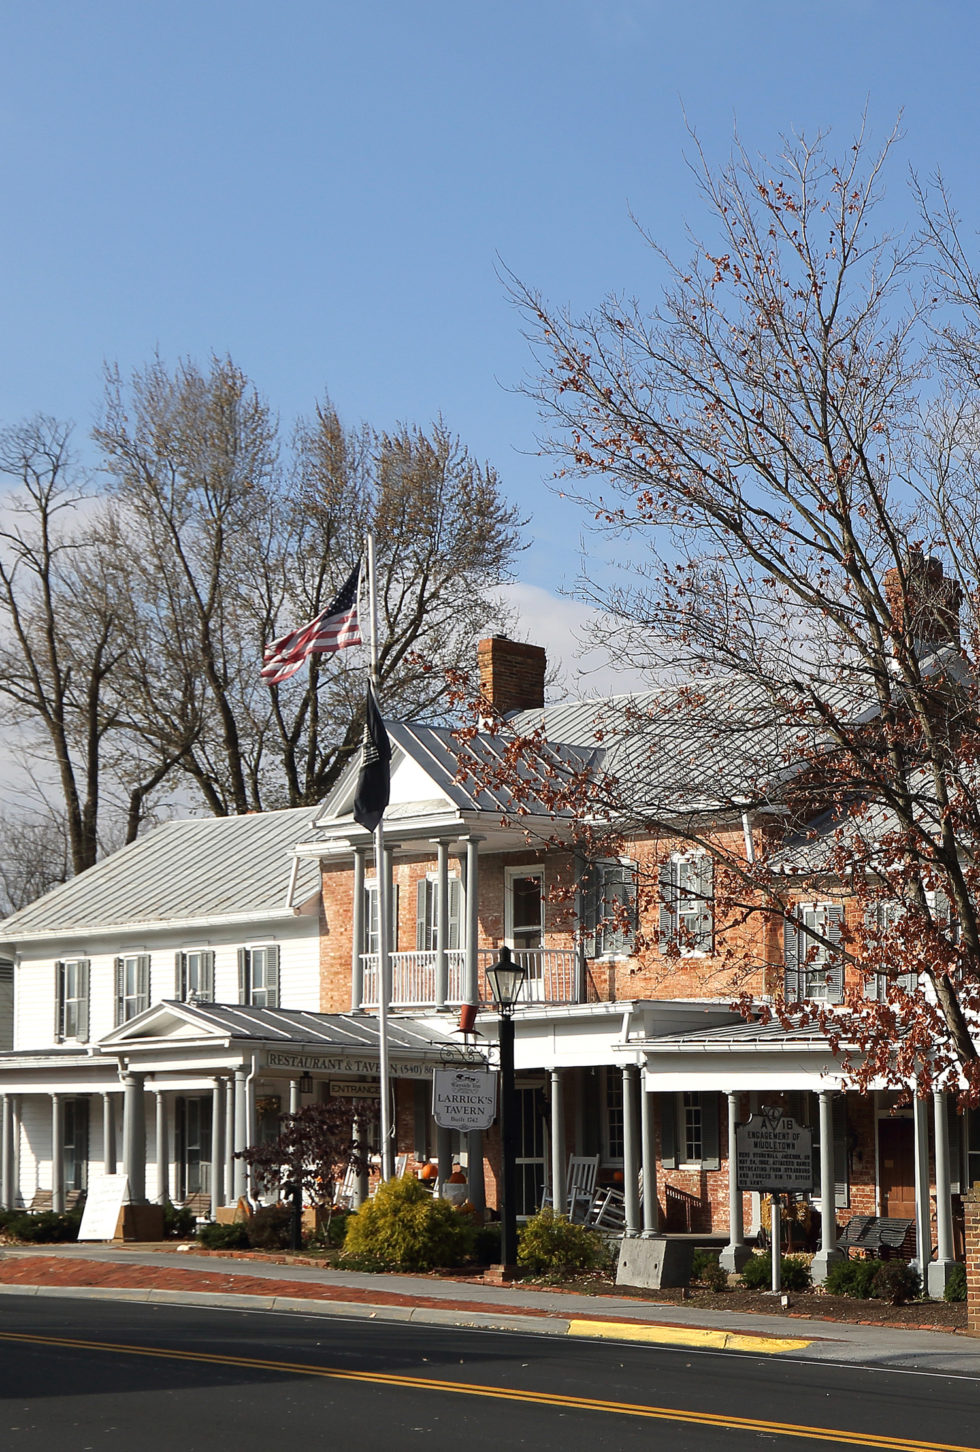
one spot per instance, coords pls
(406, 1228)
(794, 1273)
(550, 1242)
(178, 1221)
(486, 1244)
(270, 1228)
(223, 1237)
(45, 1227)
(956, 1284)
(851, 1278)
(896, 1282)
(706, 1270)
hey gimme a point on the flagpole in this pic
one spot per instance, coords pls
(384, 925)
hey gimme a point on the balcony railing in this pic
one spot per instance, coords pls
(550, 977)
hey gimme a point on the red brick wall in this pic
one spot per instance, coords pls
(971, 1208)
(511, 673)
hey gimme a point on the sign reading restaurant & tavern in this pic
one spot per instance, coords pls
(464, 1098)
(773, 1152)
(342, 1064)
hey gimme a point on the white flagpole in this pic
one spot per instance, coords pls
(384, 925)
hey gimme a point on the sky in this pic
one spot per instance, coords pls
(332, 193)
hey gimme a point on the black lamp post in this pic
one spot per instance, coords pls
(506, 980)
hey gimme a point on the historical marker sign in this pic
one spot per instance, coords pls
(773, 1152)
(464, 1098)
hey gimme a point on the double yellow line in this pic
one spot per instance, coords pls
(506, 1394)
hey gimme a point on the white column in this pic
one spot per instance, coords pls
(651, 1209)
(9, 1194)
(559, 1188)
(57, 1155)
(923, 1229)
(241, 1131)
(294, 1096)
(357, 933)
(828, 1252)
(736, 1252)
(939, 1270)
(472, 986)
(631, 1157)
(476, 1190)
(16, 1124)
(109, 1132)
(134, 1136)
(217, 1166)
(163, 1157)
(442, 924)
(228, 1141)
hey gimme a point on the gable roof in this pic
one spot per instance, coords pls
(209, 869)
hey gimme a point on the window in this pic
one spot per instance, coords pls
(427, 914)
(525, 907)
(612, 1119)
(879, 917)
(610, 907)
(686, 903)
(132, 985)
(194, 975)
(192, 1149)
(71, 999)
(258, 976)
(689, 1130)
(372, 918)
(75, 1150)
(812, 968)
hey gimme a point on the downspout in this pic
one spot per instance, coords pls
(749, 844)
(293, 874)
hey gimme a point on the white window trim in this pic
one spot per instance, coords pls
(512, 875)
(687, 952)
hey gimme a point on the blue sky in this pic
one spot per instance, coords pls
(324, 190)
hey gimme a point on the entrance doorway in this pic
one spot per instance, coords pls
(530, 1148)
(896, 1167)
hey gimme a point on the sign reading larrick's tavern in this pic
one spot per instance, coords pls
(773, 1152)
(464, 1098)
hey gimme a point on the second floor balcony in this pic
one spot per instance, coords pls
(551, 977)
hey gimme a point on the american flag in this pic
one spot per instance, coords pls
(333, 629)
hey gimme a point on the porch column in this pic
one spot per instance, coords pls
(108, 1132)
(134, 1136)
(163, 1150)
(357, 934)
(229, 1140)
(9, 1194)
(476, 1190)
(217, 1106)
(559, 1188)
(241, 1131)
(16, 1125)
(444, 1155)
(57, 1155)
(828, 1252)
(361, 1183)
(294, 1096)
(651, 1209)
(472, 986)
(736, 1252)
(923, 1229)
(631, 1156)
(938, 1273)
(442, 924)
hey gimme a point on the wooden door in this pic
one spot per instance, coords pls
(896, 1167)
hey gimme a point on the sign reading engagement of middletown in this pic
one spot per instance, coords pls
(464, 1098)
(773, 1152)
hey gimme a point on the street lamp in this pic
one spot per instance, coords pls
(506, 979)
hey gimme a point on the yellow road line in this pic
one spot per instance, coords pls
(507, 1394)
(686, 1336)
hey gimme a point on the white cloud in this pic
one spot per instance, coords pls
(562, 627)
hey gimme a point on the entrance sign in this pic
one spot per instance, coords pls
(464, 1098)
(773, 1152)
(354, 1089)
(107, 1194)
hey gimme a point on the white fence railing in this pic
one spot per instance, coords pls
(550, 977)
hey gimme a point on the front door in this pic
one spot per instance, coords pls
(530, 1148)
(896, 1167)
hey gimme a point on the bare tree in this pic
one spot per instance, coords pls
(786, 447)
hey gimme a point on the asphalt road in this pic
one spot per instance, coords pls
(106, 1375)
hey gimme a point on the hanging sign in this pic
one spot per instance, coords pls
(773, 1152)
(464, 1098)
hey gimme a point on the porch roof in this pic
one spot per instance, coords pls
(738, 1038)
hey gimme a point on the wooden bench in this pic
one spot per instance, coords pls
(43, 1200)
(882, 1236)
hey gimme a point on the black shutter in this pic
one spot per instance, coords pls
(143, 981)
(119, 987)
(705, 878)
(243, 994)
(710, 1152)
(421, 919)
(59, 1002)
(954, 1133)
(833, 923)
(179, 977)
(83, 1000)
(454, 937)
(422, 1096)
(207, 976)
(668, 1130)
(791, 961)
(842, 1189)
(668, 915)
(272, 977)
(589, 890)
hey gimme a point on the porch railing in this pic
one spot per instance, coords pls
(550, 977)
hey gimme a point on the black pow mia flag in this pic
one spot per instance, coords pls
(374, 782)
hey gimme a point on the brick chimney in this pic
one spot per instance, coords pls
(511, 674)
(929, 605)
